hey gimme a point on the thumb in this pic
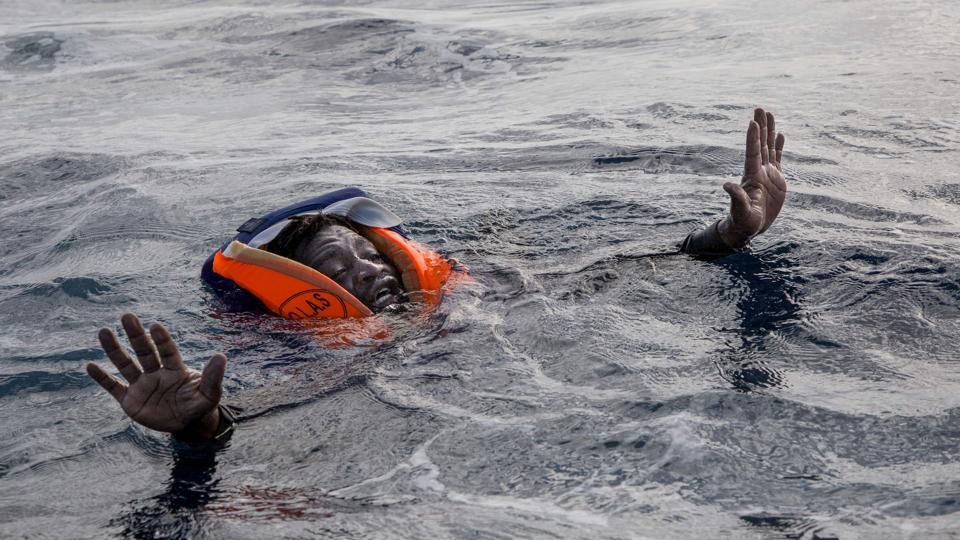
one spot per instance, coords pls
(739, 201)
(211, 380)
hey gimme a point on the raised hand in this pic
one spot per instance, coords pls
(163, 394)
(756, 201)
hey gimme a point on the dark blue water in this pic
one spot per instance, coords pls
(805, 389)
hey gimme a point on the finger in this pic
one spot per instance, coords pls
(739, 200)
(761, 119)
(779, 148)
(169, 354)
(771, 136)
(753, 163)
(109, 383)
(211, 380)
(128, 367)
(146, 352)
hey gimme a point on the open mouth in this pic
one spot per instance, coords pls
(385, 292)
(385, 297)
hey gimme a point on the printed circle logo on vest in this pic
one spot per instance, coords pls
(312, 303)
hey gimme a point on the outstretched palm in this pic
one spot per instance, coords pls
(163, 393)
(756, 201)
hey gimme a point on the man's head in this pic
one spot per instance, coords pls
(333, 248)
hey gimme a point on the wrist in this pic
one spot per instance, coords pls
(202, 429)
(730, 236)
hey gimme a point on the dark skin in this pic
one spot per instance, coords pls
(161, 393)
(756, 201)
(353, 262)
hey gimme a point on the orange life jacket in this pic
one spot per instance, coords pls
(296, 291)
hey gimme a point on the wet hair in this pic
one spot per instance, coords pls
(300, 230)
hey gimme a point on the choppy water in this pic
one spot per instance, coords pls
(806, 389)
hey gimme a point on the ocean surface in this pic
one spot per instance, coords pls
(809, 388)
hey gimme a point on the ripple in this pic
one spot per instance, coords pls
(36, 51)
(698, 160)
(750, 375)
(833, 205)
(39, 176)
(790, 526)
(949, 193)
(41, 381)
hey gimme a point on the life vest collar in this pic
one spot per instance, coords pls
(286, 287)
(296, 291)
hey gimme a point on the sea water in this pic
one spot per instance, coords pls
(573, 388)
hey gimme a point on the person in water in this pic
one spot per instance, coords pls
(163, 394)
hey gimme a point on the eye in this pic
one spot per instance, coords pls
(374, 257)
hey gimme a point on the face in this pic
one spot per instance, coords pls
(353, 262)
